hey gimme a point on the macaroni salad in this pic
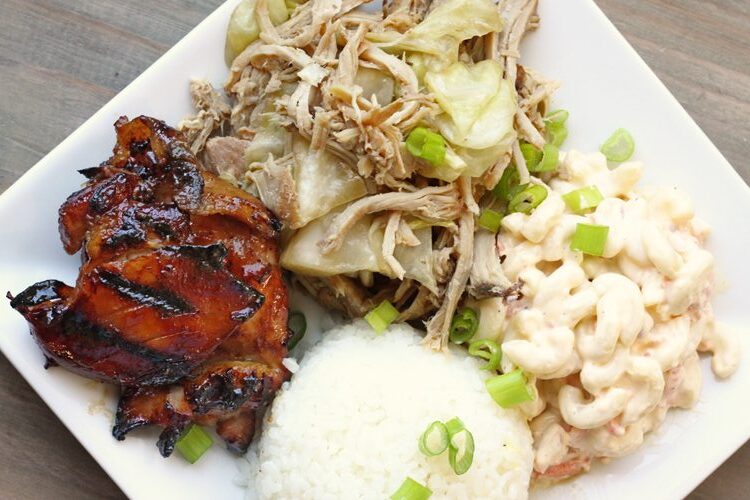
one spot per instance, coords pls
(611, 341)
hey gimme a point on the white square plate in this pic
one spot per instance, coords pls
(605, 86)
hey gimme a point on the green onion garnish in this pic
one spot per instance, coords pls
(488, 350)
(382, 316)
(581, 200)
(411, 490)
(509, 389)
(557, 132)
(557, 117)
(464, 325)
(461, 448)
(426, 144)
(297, 323)
(490, 220)
(528, 199)
(193, 443)
(590, 239)
(619, 147)
(550, 159)
(434, 440)
(508, 181)
(531, 155)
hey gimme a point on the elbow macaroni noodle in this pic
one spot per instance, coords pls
(611, 341)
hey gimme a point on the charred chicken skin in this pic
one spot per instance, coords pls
(180, 298)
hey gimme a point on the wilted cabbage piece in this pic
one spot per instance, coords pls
(479, 105)
(270, 136)
(303, 254)
(450, 170)
(417, 261)
(444, 28)
(243, 26)
(306, 184)
(361, 250)
(323, 182)
(375, 82)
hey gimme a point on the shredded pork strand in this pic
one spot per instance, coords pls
(440, 203)
(438, 327)
(303, 81)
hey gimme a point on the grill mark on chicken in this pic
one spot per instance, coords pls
(164, 300)
(170, 369)
(180, 298)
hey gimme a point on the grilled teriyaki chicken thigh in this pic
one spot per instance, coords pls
(179, 300)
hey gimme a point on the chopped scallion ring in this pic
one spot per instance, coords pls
(490, 220)
(434, 440)
(508, 181)
(461, 448)
(426, 144)
(581, 200)
(590, 239)
(464, 325)
(411, 490)
(531, 155)
(550, 159)
(382, 316)
(488, 350)
(556, 134)
(509, 389)
(528, 199)
(619, 147)
(297, 323)
(557, 117)
(193, 443)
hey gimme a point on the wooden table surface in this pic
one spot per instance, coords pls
(60, 60)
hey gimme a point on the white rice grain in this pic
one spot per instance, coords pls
(348, 423)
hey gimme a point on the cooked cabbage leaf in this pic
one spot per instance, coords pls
(450, 170)
(323, 181)
(375, 82)
(303, 254)
(417, 261)
(361, 251)
(479, 105)
(443, 29)
(243, 26)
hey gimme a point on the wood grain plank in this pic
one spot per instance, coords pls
(60, 60)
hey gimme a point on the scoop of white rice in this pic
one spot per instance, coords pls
(348, 424)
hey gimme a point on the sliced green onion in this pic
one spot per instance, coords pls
(193, 443)
(508, 181)
(555, 127)
(488, 350)
(464, 325)
(550, 159)
(490, 220)
(590, 239)
(411, 490)
(382, 316)
(531, 155)
(528, 199)
(619, 147)
(461, 448)
(556, 134)
(434, 440)
(581, 200)
(297, 323)
(509, 389)
(426, 144)
(557, 117)
(544, 160)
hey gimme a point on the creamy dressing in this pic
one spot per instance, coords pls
(612, 341)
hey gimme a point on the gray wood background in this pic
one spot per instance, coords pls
(60, 60)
